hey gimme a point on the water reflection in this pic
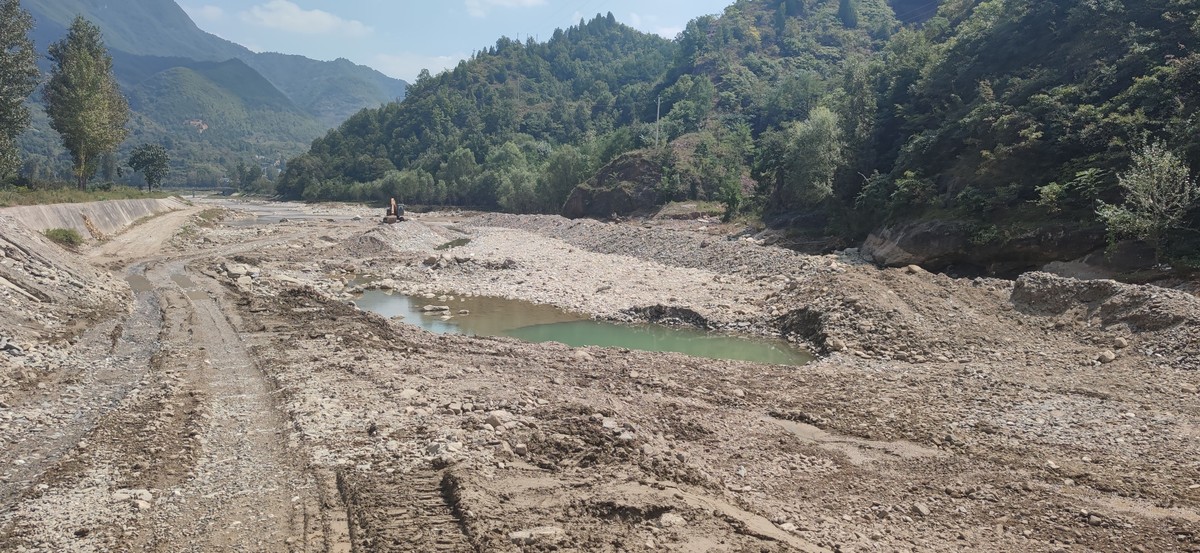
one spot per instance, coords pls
(485, 316)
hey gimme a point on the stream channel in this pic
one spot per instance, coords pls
(487, 316)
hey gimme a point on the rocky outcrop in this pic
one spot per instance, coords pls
(625, 186)
(938, 245)
(926, 243)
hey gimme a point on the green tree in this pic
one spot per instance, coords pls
(152, 162)
(83, 100)
(799, 163)
(1159, 191)
(848, 13)
(566, 169)
(18, 77)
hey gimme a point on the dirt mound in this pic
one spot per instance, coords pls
(1141, 308)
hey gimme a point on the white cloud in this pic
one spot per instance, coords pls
(407, 65)
(204, 13)
(669, 33)
(287, 16)
(480, 8)
(649, 24)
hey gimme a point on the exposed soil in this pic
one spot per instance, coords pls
(197, 387)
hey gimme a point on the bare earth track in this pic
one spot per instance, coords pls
(216, 391)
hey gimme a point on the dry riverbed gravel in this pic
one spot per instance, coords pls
(223, 393)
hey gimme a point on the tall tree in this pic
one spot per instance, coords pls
(83, 100)
(18, 77)
(1159, 191)
(152, 162)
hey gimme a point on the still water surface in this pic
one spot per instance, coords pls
(542, 323)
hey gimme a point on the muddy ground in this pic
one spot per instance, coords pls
(205, 385)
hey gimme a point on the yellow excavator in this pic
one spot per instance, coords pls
(395, 213)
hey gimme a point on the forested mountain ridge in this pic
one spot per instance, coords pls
(1004, 124)
(212, 102)
(479, 134)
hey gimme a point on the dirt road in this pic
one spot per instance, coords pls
(240, 403)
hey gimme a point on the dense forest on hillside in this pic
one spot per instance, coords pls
(481, 134)
(831, 117)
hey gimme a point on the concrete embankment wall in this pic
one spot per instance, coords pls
(105, 218)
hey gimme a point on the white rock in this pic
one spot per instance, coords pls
(541, 534)
(498, 418)
(671, 520)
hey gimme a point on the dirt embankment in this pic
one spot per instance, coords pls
(1042, 414)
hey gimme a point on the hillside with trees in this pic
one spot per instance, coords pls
(211, 103)
(1005, 123)
(518, 125)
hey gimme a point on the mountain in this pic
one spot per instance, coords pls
(483, 127)
(331, 91)
(979, 135)
(142, 27)
(210, 100)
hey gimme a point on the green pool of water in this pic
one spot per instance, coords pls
(541, 323)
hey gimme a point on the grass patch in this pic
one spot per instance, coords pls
(66, 237)
(454, 244)
(14, 196)
(211, 216)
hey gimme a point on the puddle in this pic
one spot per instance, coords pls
(188, 287)
(541, 323)
(139, 283)
(183, 281)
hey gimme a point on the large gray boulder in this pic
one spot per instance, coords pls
(626, 185)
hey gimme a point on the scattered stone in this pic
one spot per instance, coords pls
(498, 418)
(409, 394)
(920, 509)
(1121, 342)
(738, 393)
(836, 344)
(539, 535)
(435, 308)
(1106, 357)
(671, 520)
(520, 449)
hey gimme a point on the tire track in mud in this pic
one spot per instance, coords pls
(408, 513)
(248, 490)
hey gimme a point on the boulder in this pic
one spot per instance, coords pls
(625, 186)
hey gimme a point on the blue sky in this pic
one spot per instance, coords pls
(400, 38)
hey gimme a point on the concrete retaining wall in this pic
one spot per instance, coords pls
(107, 218)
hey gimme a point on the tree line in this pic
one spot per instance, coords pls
(831, 115)
(82, 99)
